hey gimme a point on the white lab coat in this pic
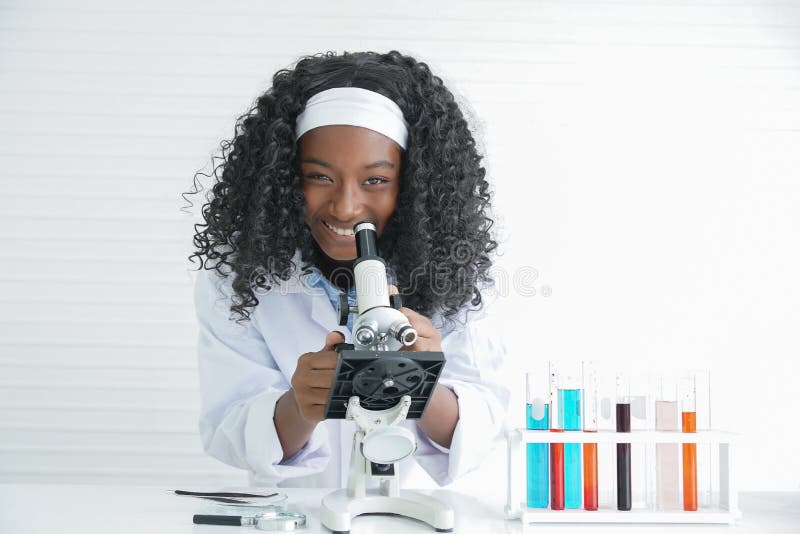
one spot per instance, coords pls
(244, 369)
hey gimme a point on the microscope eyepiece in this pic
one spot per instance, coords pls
(363, 225)
(366, 239)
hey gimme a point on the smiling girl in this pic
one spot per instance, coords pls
(337, 140)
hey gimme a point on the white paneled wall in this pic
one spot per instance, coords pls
(644, 154)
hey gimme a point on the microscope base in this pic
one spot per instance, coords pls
(339, 508)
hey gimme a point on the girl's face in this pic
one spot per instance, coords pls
(348, 174)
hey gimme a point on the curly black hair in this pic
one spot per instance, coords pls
(438, 240)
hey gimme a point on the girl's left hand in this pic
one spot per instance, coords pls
(429, 339)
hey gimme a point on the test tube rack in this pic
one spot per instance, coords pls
(727, 512)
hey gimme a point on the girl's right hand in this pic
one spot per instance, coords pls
(313, 378)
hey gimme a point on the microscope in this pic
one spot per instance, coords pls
(377, 386)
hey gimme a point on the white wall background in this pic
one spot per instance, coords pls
(644, 155)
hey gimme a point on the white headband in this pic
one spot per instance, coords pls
(355, 107)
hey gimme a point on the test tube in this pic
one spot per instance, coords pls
(689, 424)
(590, 497)
(707, 469)
(556, 449)
(569, 419)
(537, 395)
(667, 454)
(642, 458)
(623, 413)
(606, 452)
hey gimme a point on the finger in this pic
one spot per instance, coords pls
(318, 396)
(393, 290)
(333, 338)
(421, 324)
(307, 396)
(324, 360)
(422, 344)
(320, 378)
(316, 360)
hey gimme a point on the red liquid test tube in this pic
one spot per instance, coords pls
(557, 497)
(556, 475)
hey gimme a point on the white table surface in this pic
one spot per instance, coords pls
(90, 509)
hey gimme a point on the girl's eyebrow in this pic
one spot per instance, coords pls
(380, 163)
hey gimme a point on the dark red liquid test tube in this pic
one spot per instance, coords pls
(623, 458)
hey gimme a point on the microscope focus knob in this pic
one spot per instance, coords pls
(395, 301)
(343, 309)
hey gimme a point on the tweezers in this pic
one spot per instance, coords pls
(222, 494)
(225, 500)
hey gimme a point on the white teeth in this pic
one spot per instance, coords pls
(339, 231)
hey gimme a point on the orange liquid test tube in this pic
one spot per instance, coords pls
(688, 395)
(689, 424)
(590, 476)
(589, 372)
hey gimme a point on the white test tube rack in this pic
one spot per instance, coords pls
(726, 512)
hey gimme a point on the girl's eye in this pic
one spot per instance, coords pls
(375, 180)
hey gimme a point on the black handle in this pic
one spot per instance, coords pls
(228, 520)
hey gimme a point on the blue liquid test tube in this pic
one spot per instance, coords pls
(569, 418)
(537, 395)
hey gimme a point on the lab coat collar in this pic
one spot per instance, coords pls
(316, 299)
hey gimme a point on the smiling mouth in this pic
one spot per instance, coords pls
(341, 232)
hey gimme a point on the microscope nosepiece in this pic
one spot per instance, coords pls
(406, 335)
(365, 336)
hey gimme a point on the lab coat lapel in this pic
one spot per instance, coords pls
(323, 314)
(321, 310)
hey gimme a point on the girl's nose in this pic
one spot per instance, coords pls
(346, 203)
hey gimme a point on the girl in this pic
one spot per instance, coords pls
(337, 140)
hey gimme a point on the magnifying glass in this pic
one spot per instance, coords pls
(274, 519)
